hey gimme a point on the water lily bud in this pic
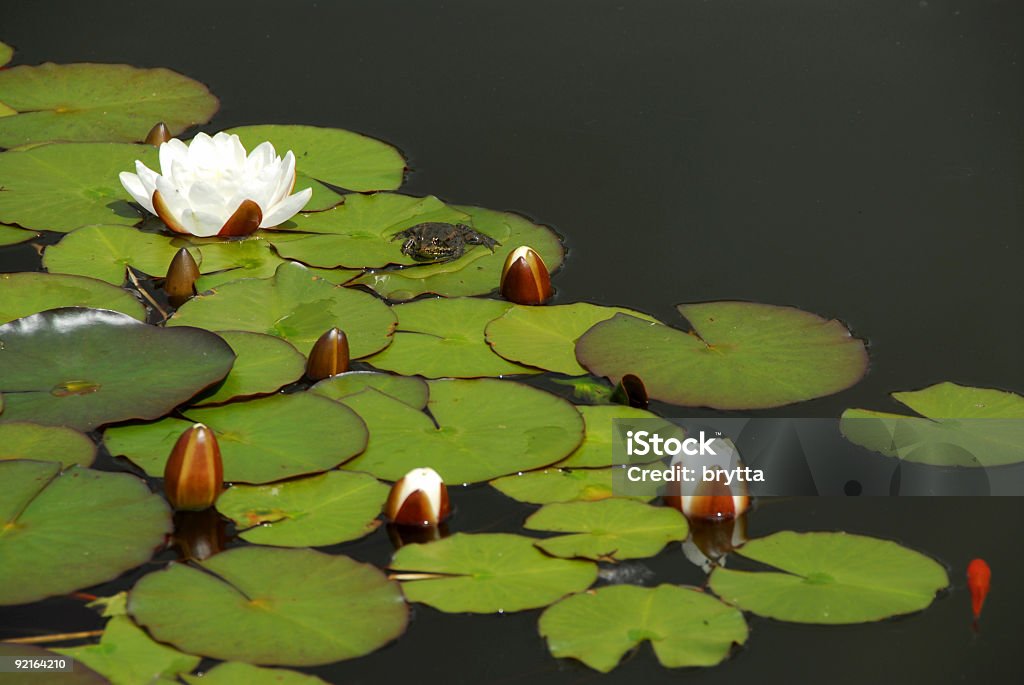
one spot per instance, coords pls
(329, 355)
(714, 500)
(194, 474)
(180, 283)
(710, 542)
(630, 391)
(418, 499)
(710, 496)
(158, 134)
(525, 278)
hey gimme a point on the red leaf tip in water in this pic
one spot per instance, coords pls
(978, 577)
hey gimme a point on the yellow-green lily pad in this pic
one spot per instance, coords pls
(263, 364)
(24, 440)
(29, 292)
(105, 251)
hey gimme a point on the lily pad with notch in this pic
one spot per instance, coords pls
(104, 252)
(326, 509)
(561, 485)
(477, 430)
(263, 364)
(685, 626)
(598, 443)
(87, 367)
(830, 578)
(25, 440)
(487, 573)
(739, 355)
(411, 390)
(29, 292)
(48, 524)
(261, 440)
(12, 235)
(957, 426)
(335, 608)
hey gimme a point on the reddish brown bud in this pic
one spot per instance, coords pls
(244, 221)
(329, 355)
(525, 278)
(630, 391)
(194, 474)
(418, 499)
(158, 134)
(713, 500)
(180, 283)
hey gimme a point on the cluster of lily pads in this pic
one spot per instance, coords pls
(85, 361)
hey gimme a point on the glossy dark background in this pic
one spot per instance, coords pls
(861, 160)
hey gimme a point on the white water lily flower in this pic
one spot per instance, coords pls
(210, 187)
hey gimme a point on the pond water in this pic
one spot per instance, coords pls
(861, 162)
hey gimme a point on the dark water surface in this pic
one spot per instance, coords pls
(864, 161)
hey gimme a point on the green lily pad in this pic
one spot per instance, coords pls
(22, 440)
(227, 261)
(294, 305)
(685, 626)
(333, 155)
(360, 232)
(62, 186)
(12, 235)
(127, 656)
(484, 429)
(479, 271)
(263, 364)
(98, 102)
(962, 426)
(48, 535)
(294, 607)
(238, 673)
(29, 292)
(81, 675)
(545, 337)
(607, 529)
(322, 197)
(596, 449)
(260, 440)
(410, 390)
(104, 252)
(86, 367)
(561, 485)
(830, 578)
(739, 355)
(333, 507)
(6, 53)
(444, 338)
(488, 573)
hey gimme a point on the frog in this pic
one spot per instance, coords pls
(437, 241)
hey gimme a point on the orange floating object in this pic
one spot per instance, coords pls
(978, 577)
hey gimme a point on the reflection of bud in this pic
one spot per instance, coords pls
(198, 535)
(180, 283)
(194, 474)
(711, 541)
(631, 392)
(710, 495)
(418, 499)
(415, 535)
(158, 134)
(525, 278)
(329, 356)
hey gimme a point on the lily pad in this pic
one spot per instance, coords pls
(263, 364)
(830, 578)
(561, 485)
(479, 271)
(29, 292)
(410, 390)
(488, 573)
(127, 656)
(608, 529)
(98, 102)
(104, 252)
(684, 626)
(962, 426)
(260, 440)
(81, 675)
(48, 535)
(86, 367)
(596, 449)
(6, 53)
(342, 158)
(238, 673)
(294, 607)
(225, 261)
(360, 232)
(62, 186)
(294, 305)
(333, 507)
(545, 337)
(444, 338)
(12, 235)
(484, 429)
(23, 440)
(739, 355)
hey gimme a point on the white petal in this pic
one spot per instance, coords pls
(207, 199)
(285, 179)
(260, 157)
(172, 150)
(135, 188)
(286, 209)
(203, 224)
(202, 153)
(176, 203)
